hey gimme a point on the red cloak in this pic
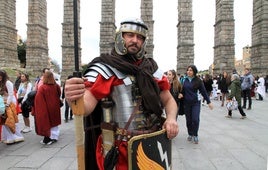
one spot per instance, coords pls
(47, 108)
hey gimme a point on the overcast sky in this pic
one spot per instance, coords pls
(165, 30)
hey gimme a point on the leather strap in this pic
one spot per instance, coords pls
(133, 114)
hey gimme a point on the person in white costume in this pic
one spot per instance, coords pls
(7, 91)
(261, 88)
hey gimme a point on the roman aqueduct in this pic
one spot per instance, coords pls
(224, 46)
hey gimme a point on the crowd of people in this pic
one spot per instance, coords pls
(40, 98)
(225, 87)
(220, 87)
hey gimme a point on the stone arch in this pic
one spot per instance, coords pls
(8, 34)
(224, 46)
(37, 36)
(37, 52)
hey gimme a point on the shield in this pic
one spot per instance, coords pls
(149, 151)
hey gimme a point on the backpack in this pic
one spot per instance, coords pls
(30, 98)
(2, 105)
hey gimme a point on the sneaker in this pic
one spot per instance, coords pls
(42, 142)
(189, 138)
(228, 116)
(54, 140)
(26, 129)
(9, 142)
(49, 143)
(243, 117)
(46, 141)
(19, 139)
(195, 140)
(249, 108)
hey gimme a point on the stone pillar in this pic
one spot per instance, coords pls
(224, 52)
(259, 49)
(147, 17)
(185, 27)
(8, 34)
(68, 63)
(107, 26)
(37, 32)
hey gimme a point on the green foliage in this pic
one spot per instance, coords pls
(21, 48)
(203, 72)
(84, 67)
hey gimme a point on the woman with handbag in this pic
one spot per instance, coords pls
(22, 94)
(235, 91)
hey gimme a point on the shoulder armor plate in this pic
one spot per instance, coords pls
(106, 71)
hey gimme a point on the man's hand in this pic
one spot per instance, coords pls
(74, 89)
(172, 128)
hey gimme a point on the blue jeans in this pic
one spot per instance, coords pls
(192, 115)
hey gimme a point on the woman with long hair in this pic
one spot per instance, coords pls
(10, 129)
(22, 94)
(47, 109)
(224, 82)
(175, 85)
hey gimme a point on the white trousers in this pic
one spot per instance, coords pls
(55, 132)
(8, 136)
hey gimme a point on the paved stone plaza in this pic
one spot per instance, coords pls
(225, 144)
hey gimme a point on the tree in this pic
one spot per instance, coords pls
(21, 49)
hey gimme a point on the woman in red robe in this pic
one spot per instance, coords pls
(47, 109)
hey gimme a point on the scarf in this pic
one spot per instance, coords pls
(143, 74)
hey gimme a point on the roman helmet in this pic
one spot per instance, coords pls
(131, 25)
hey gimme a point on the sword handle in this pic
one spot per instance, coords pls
(78, 107)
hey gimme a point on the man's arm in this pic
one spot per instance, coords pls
(90, 102)
(171, 109)
(74, 89)
(169, 104)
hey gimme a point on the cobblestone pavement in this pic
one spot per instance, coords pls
(224, 144)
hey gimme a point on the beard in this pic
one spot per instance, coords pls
(133, 49)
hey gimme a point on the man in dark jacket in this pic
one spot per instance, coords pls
(247, 82)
